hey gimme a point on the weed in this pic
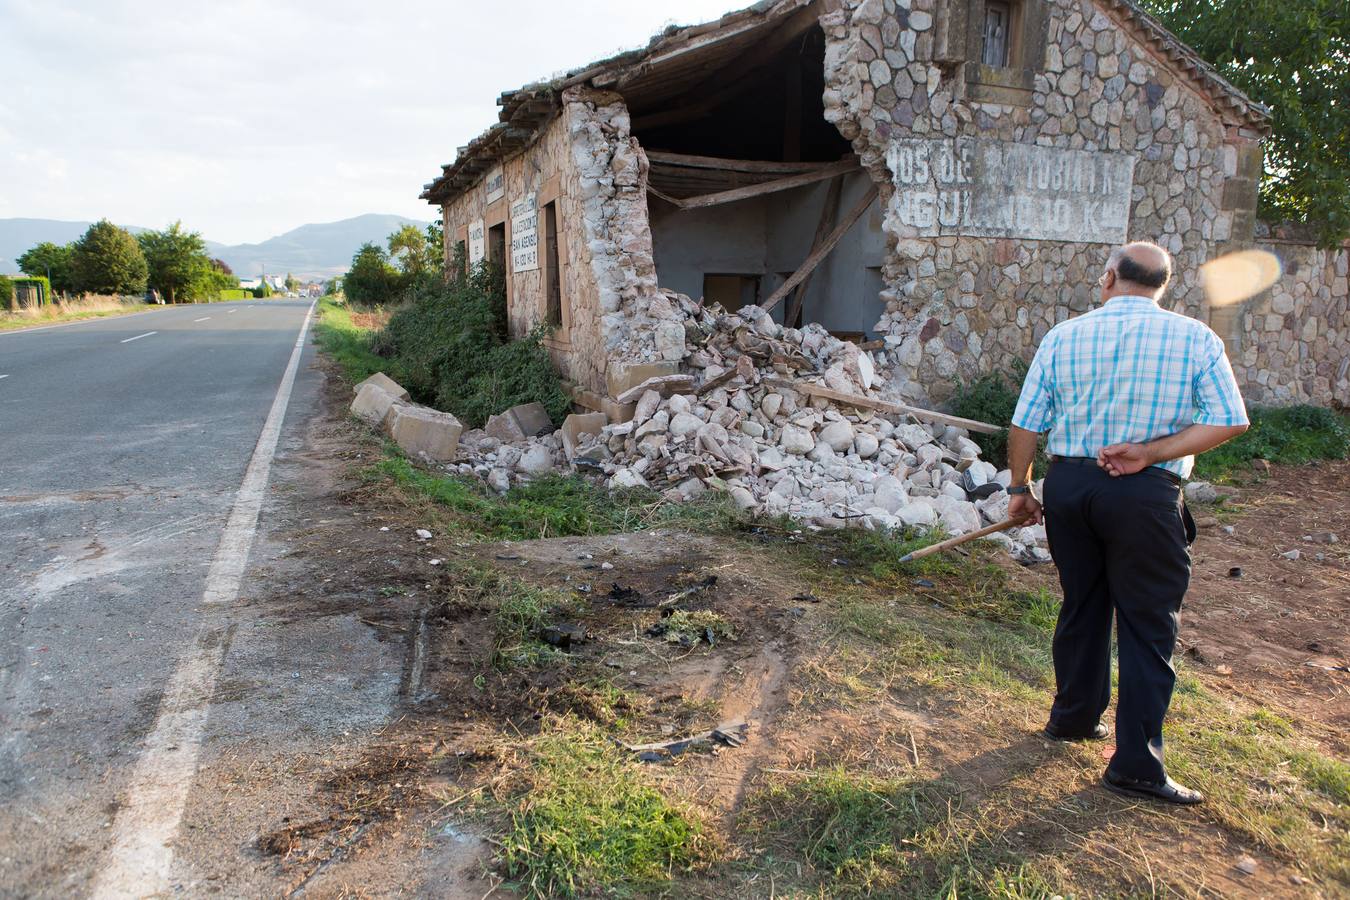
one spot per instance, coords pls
(687, 627)
(851, 827)
(1291, 435)
(88, 307)
(519, 613)
(553, 506)
(583, 821)
(343, 338)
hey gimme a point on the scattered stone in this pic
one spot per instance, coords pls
(536, 460)
(1235, 572)
(1201, 492)
(577, 424)
(1246, 865)
(1322, 537)
(422, 533)
(1292, 554)
(563, 636)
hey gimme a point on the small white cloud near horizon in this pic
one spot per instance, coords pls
(246, 119)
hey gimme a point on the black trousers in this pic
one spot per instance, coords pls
(1122, 546)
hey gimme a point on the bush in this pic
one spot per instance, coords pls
(6, 293)
(235, 294)
(992, 399)
(1291, 436)
(450, 344)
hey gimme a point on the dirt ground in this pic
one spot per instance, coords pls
(396, 816)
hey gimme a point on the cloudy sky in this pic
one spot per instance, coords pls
(245, 118)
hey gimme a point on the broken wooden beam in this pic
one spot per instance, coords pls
(827, 214)
(691, 161)
(843, 167)
(897, 409)
(823, 250)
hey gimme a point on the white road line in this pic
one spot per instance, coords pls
(4, 376)
(141, 854)
(202, 319)
(138, 337)
(232, 311)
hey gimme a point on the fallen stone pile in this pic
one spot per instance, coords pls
(785, 421)
(752, 420)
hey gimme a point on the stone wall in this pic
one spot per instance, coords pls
(959, 305)
(1291, 344)
(639, 329)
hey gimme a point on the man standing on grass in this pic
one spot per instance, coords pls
(1129, 393)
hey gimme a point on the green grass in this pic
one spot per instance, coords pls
(55, 314)
(552, 506)
(347, 343)
(519, 611)
(975, 633)
(850, 826)
(1290, 436)
(585, 823)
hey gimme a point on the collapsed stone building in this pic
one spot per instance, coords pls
(937, 181)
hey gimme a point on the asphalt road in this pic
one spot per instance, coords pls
(123, 444)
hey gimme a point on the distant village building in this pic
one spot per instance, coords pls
(939, 179)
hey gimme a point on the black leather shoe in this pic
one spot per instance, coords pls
(1098, 733)
(1167, 790)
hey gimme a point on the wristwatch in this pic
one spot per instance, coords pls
(1020, 489)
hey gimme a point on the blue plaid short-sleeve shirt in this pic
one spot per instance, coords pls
(1127, 372)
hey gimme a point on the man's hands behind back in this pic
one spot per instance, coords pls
(1125, 459)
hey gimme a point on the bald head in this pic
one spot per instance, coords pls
(1138, 268)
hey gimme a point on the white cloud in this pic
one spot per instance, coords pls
(248, 117)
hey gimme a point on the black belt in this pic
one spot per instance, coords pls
(1091, 461)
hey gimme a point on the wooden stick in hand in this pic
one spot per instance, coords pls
(961, 539)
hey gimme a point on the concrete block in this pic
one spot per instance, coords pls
(520, 422)
(424, 432)
(577, 424)
(390, 386)
(373, 403)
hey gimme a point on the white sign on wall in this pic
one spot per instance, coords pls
(495, 184)
(477, 242)
(525, 234)
(965, 186)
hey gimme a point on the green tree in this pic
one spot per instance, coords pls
(107, 260)
(178, 264)
(1293, 56)
(435, 249)
(51, 261)
(371, 279)
(408, 247)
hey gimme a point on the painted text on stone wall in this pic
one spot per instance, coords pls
(964, 186)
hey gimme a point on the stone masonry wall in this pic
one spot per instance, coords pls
(639, 327)
(959, 306)
(1292, 343)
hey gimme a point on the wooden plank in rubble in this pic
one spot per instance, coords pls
(895, 409)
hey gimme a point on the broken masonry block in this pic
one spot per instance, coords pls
(389, 385)
(424, 432)
(577, 424)
(373, 403)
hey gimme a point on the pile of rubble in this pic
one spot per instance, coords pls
(785, 421)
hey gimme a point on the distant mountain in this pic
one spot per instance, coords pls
(310, 251)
